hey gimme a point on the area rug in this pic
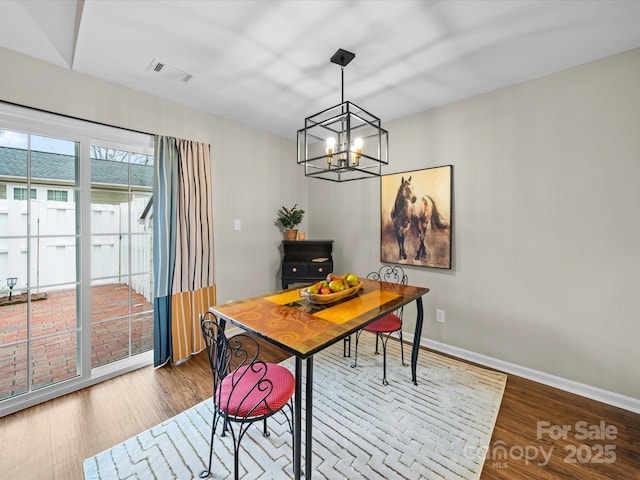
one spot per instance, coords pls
(439, 429)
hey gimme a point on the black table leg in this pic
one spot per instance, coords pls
(308, 416)
(297, 421)
(416, 341)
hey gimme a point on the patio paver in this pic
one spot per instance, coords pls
(54, 359)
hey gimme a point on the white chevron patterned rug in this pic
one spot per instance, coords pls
(439, 429)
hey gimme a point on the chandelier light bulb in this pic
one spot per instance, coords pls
(357, 150)
(331, 143)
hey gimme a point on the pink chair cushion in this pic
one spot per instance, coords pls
(388, 323)
(231, 398)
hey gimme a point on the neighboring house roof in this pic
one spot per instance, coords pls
(58, 167)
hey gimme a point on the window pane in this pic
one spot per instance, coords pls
(53, 261)
(54, 359)
(109, 167)
(13, 318)
(110, 322)
(54, 310)
(13, 153)
(142, 237)
(54, 217)
(108, 256)
(13, 265)
(108, 217)
(109, 341)
(109, 299)
(53, 159)
(15, 212)
(142, 173)
(13, 370)
(141, 293)
(13, 139)
(142, 333)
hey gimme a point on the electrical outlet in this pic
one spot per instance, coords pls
(237, 224)
(439, 315)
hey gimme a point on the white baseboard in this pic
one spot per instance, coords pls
(594, 393)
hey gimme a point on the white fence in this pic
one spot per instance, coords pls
(53, 245)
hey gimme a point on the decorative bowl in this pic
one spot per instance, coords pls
(330, 297)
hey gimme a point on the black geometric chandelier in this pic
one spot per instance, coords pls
(343, 142)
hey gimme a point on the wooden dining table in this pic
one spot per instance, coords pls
(303, 328)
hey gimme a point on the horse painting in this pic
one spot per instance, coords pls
(411, 216)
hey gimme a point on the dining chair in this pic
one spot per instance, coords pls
(390, 323)
(245, 389)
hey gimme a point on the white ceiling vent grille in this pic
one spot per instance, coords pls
(170, 72)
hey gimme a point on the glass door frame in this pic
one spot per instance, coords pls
(36, 122)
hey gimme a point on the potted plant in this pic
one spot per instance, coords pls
(289, 219)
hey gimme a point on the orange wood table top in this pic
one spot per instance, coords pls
(302, 328)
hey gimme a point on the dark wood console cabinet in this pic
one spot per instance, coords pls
(306, 261)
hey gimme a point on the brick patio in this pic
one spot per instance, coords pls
(54, 359)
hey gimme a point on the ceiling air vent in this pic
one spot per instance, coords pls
(170, 72)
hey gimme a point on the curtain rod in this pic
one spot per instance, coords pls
(76, 118)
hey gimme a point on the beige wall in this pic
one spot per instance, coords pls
(546, 247)
(254, 172)
(545, 250)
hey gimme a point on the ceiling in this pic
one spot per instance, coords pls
(266, 63)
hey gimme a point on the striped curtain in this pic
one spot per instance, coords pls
(183, 247)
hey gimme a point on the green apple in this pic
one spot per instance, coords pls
(352, 279)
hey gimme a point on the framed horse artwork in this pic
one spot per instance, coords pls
(415, 221)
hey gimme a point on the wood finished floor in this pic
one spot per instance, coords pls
(51, 440)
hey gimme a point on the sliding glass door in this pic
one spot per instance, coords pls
(75, 255)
